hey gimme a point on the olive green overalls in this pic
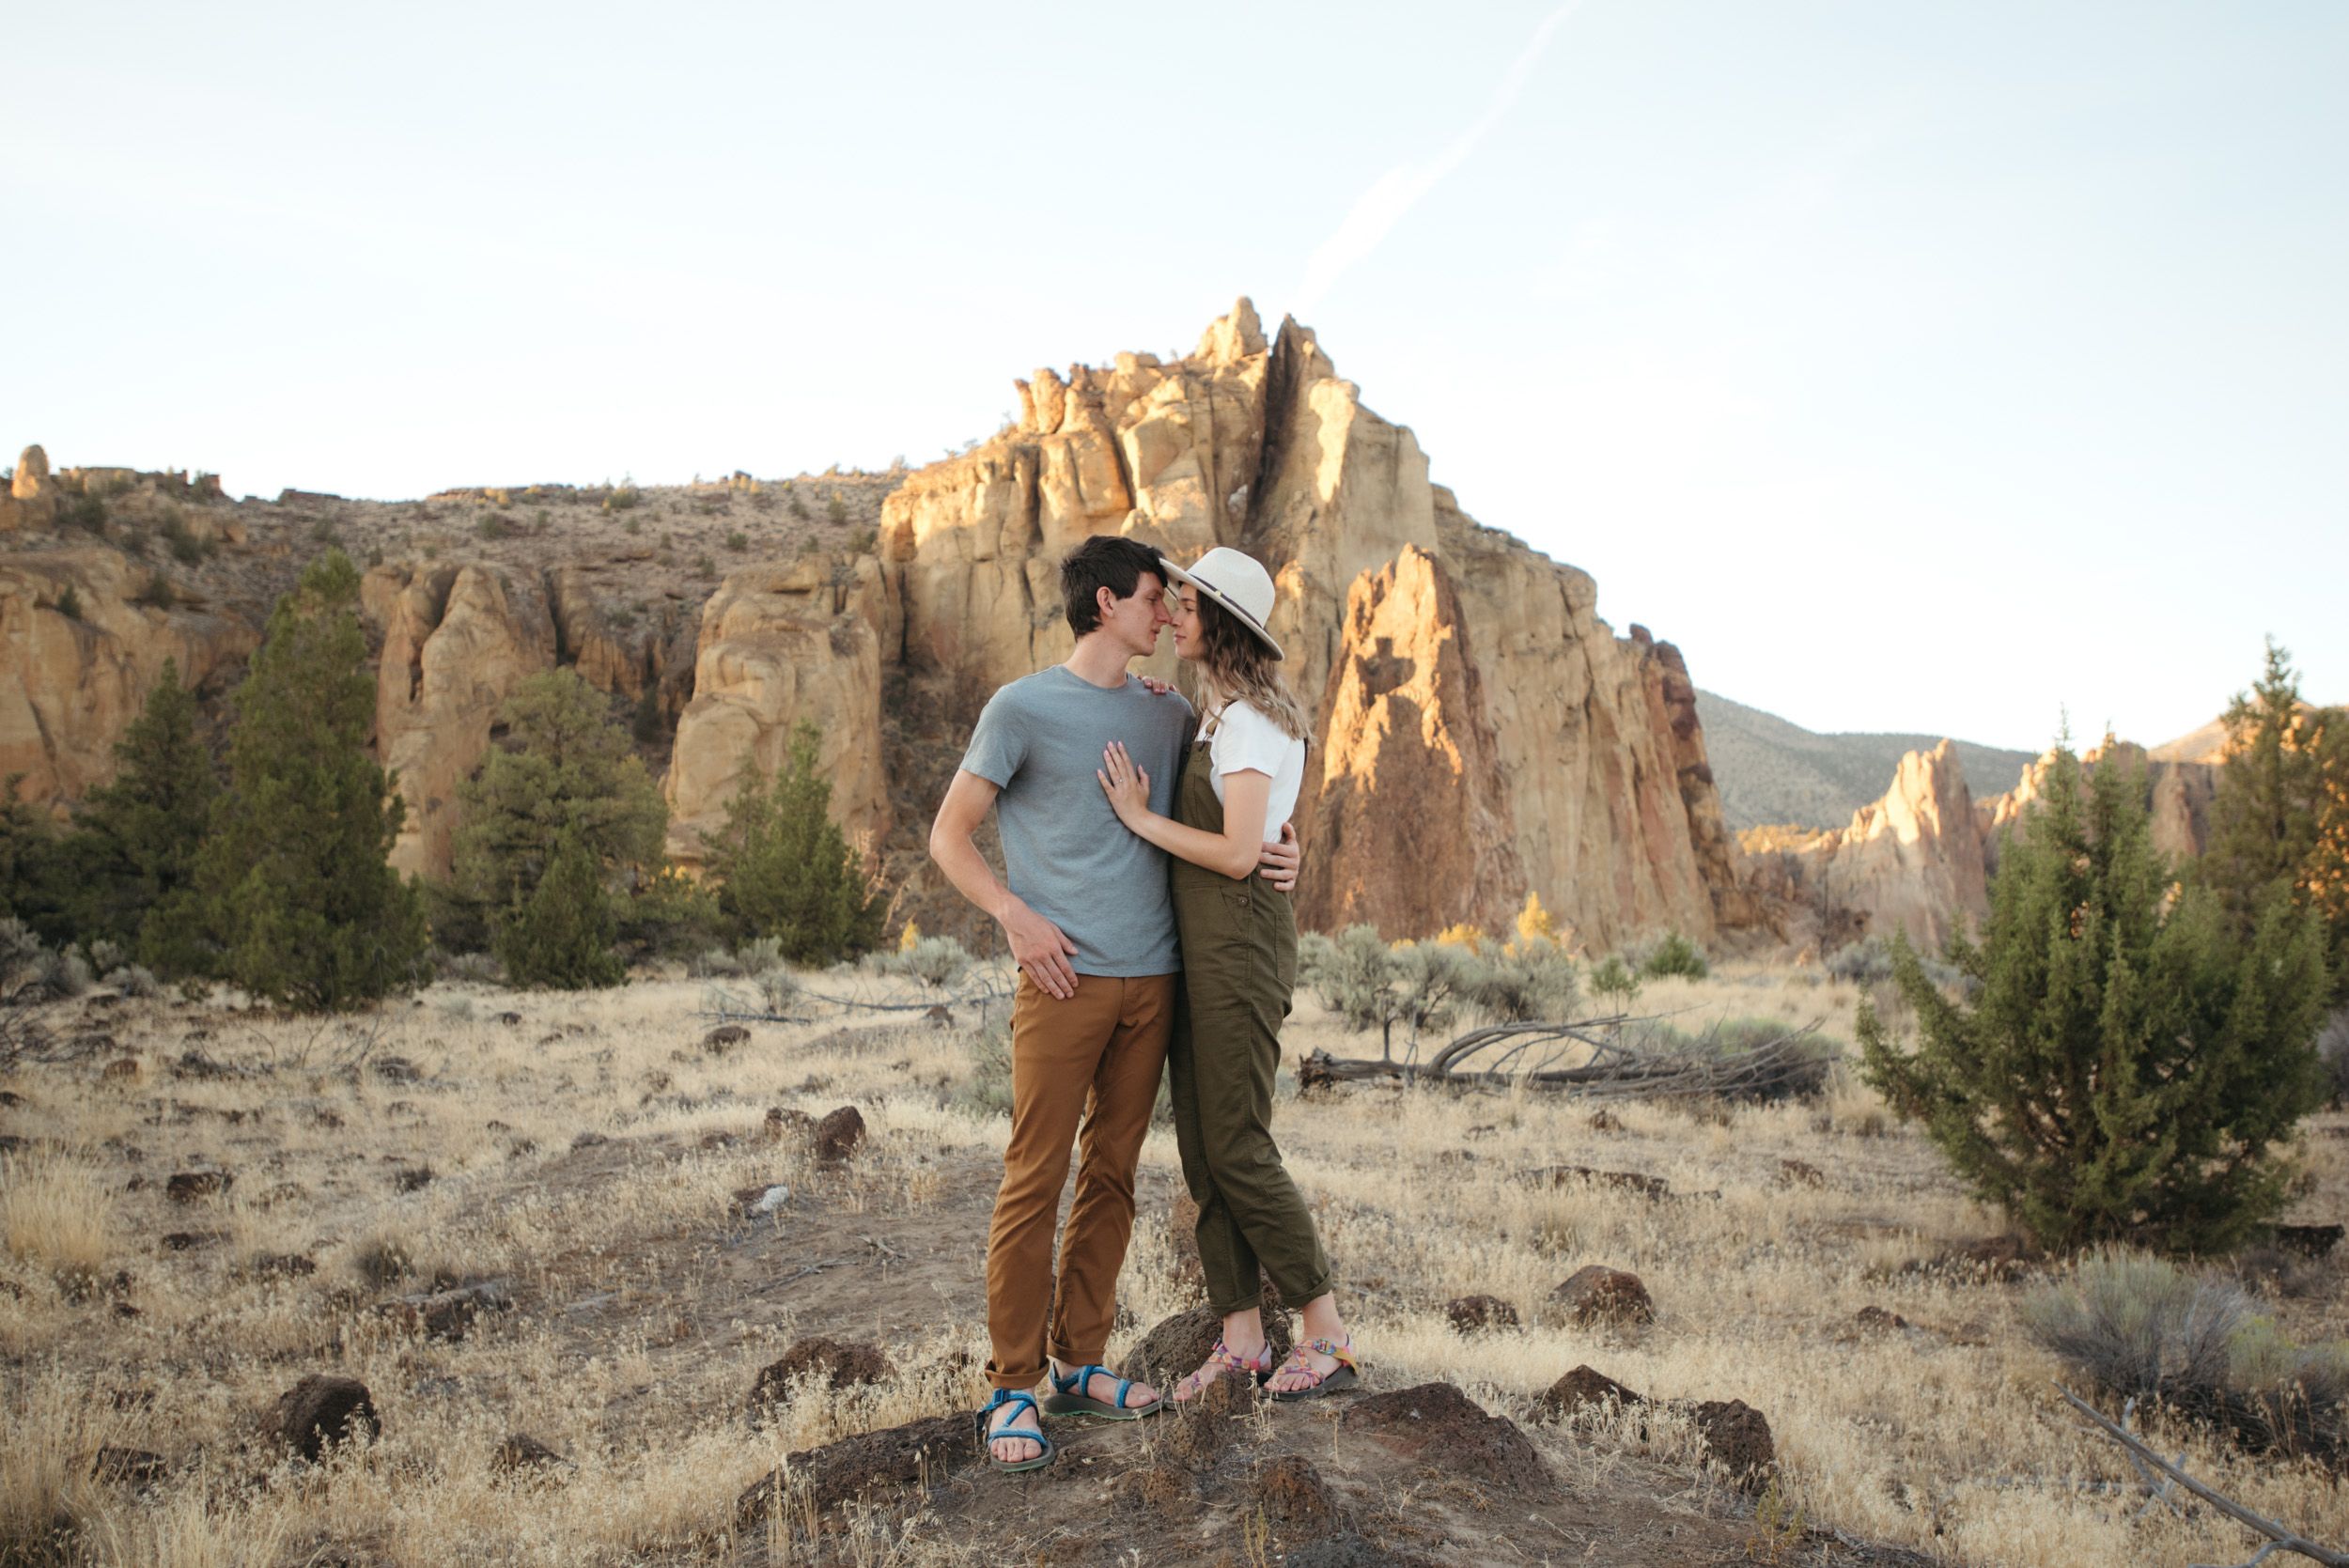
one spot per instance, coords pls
(1240, 967)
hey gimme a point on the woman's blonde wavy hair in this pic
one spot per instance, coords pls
(1240, 668)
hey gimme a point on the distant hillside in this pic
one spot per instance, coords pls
(1770, 770)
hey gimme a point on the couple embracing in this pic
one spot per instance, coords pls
(1148, 910)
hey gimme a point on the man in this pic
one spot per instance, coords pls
(1091, 925)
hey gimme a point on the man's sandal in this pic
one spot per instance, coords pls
(1033, 1434)
(1226, 1365)
(1344, 1375)
(1068, 1397)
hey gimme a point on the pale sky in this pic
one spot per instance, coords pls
(1914, 366)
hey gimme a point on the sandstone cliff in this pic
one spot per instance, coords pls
(1481, 733)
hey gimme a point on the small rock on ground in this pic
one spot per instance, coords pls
(1438, 1425)
(840, 1365)
(1597, 1294)
(323, 1408)
(1469, 1313)
(931, 1448)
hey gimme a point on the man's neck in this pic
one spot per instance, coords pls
(1099, 660)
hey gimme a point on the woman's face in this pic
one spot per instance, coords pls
(1183, 611)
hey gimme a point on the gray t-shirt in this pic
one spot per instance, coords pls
(1064, 852)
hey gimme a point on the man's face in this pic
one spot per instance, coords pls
(1135, 621)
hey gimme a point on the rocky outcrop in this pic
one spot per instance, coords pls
(781, 645)
(1911, 862)
(32, 499)
(78, 655)
(457, 639)
(2178, 796)
(1470, 700)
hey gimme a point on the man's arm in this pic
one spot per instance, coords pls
(1039, 947)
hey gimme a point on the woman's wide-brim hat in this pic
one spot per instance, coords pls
(1238, 582)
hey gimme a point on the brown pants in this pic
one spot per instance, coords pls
(1085, 1068)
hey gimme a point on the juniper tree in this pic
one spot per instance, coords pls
(559, 934)
(135, 844)
(2131, 1062)
(2280, 815)
(785, 870)
(564, 770)
(299, 902)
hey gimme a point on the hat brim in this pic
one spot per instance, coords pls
(1242, 616)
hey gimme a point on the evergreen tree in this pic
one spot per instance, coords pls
(785, 869)
(559, 934)
(35, 881)
(2279, 817)
(565, 770)
(2130, 1061)
(298, 900)
(134, 846)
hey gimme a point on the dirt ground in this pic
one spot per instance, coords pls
(594, 1165)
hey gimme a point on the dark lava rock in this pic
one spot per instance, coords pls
(521, 1453)
(1443, 1429)
(724, 1038)
(841, 1366)
(1469, 1313)
(1606, 1121)
(188, 1241)
(781, 1124)
(397, 1069)
(926, 1450)
(190, 1186)
(1799, 1173)
(120, 1067)
(281, 1265)
(448, 1314)
(1176, 1346)
(939, 1015)
(128, 1465)
(1878, 1319)
(1627, 1181)
(511, 1020)
(838, 1134)
(1583, 1386)
(1291, 1492)
(1597, 1294)
(10, 1099)
(195, 1065)
(1161, 1488)
(1736, 1435)
(589, 1139)
(412, 1179)
(1205, 1427)
(2315, 1241)
(323, 1408)
(1992, 1260)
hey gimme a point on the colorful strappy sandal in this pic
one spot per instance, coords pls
(1345, 1374)
(987, 1439)
(1068, 1397)
(1225, 1365)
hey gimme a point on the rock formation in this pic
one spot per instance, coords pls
(2178, 795)
(69, 683)
(457, 641)
(1911, 862)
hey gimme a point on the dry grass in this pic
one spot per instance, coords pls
(645, 1307)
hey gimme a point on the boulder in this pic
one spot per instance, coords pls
(1291, 1492)
(1595, 1294)
(1441, 1428)
(189, 1187)
(1201, 1429)
(1177, 1345)
(1468, 1314)
(839, 1135)
(448, 1314)
(1584, 1387)
(822, 1479)
(323, 1408)
(1737, 1437)
(837, 1364)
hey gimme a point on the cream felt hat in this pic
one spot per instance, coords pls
(1237, 582)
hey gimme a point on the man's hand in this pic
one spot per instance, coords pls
(1279, 860)
(1042, 951)
(1157, 688)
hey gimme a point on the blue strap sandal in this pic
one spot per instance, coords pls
(1032, 1432)
(1068, 1397)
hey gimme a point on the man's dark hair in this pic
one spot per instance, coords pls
(1108, 561)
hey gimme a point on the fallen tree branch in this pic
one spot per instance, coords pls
(1596, 1057)
(2278, 1538)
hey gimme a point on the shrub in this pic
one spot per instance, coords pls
(738, 540)
(157, 593)
(864, 541)
(1353, 975)
(2131, 1068)
(1673, 955)
(2138, 1327)
(785, 869)
(1613, 980)
(1524, 981)
(133, 980)
(186, 547)
(2332, 1050)
(69, 603)
(623, 499)
(494, 526)
(87, 512)
(1869, 962)
(799, 503)
(990, 1061)
(668, 914)
(1433, 982)
(937, 962)
(835, 509)
(716, 964)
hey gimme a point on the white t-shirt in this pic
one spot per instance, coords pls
(1245, 740)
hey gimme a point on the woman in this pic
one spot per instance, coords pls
(1239, 966)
